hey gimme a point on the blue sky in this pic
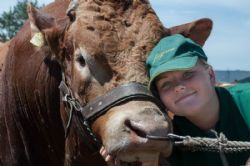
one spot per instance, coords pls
(228, 47)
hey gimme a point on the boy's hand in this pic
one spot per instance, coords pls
(108, 158)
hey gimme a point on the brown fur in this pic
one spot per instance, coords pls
(31, 128)
(4, 48)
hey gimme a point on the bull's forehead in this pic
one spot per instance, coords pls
(116, 26)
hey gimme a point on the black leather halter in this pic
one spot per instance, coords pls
(94, 109)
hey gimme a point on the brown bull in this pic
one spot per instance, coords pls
(100, 46)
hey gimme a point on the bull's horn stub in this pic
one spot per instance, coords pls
(38, 40)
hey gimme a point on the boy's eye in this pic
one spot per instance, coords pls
(188, 75)
(166, 85)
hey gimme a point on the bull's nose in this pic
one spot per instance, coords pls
(135, 128)
(143, 128)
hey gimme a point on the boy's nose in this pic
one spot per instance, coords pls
(179, 88)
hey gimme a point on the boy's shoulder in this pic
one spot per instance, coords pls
(240, 88)
(241, 95)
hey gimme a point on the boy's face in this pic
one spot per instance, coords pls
(186, 93)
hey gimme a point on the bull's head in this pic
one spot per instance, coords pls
(104, 44)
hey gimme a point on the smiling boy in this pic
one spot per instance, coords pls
(185, 83)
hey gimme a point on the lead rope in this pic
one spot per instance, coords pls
(220, 144)
(205, 144)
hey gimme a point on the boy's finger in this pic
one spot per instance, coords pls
(104, 153)
(102, 149)
(108, 158)
(117, 162)
(110, 161)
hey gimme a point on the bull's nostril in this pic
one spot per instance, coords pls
(135, 128)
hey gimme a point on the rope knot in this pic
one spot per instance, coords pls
(222, 139)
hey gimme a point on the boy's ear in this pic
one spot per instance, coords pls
(211, 75)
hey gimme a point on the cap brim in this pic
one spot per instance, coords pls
(178, 63)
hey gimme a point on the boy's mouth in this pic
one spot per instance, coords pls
(184, 97)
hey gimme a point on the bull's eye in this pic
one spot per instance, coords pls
(81, 60)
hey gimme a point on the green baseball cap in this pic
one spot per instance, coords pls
(173, 53)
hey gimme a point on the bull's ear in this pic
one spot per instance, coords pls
(39, 22)
(71, 11)
(46, 30)
(198, 30)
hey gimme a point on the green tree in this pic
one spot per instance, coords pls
(12, 20)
